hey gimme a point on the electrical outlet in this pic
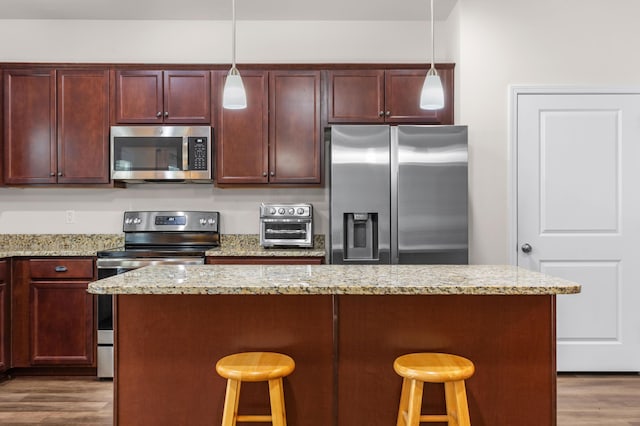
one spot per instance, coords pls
(70, 216)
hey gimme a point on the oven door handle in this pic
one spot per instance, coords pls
(106, 263)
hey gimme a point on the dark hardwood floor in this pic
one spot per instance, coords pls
(583, 399)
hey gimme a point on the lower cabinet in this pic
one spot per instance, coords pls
(53, 316)
(4, 315)
(264, 260)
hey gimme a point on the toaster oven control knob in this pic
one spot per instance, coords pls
(137, 220)
(211, 221)
(203, 221)
(281, 210)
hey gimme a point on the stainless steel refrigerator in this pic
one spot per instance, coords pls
(399, 194)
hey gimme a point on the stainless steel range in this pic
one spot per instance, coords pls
(286, 225)
(151, 238)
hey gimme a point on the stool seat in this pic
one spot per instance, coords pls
(255, 366)
(418, 368)
(434, 367)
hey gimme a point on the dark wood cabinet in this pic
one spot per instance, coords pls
(156, 97)
(264, 260)
(56, 126)
(5, 320)
(276, 139)
(53, 319)
(385, 96)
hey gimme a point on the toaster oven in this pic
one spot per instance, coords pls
(286, 225)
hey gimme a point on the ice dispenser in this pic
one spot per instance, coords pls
(361, 236)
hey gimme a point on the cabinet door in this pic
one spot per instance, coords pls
(83, 126)
(402, 97)
(29, 126)
(61, 325)
(4, 316)
(355, 96)
(187, 97)
(61, 322)
(294, 127)
(242, 135)
(138, 97)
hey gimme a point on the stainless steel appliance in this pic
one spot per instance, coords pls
(151, 238)
(286, 225)
(399, 194)
(161, 154)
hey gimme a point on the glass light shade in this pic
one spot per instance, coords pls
(432, 96)
(234, 95)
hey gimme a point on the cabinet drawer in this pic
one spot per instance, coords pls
(61, 268)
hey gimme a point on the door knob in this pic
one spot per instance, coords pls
(526, 248)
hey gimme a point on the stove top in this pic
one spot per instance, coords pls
(166, 234)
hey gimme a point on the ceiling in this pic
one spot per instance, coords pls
(315, 10)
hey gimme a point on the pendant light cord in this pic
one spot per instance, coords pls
(433, 40)
(233, 33)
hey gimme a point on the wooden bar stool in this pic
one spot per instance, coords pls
(254, 367)
(417, 368)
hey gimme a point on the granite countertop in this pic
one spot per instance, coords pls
(88, 244)
(57, 244)
(334, 279)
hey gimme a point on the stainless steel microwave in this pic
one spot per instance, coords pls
(161, 154)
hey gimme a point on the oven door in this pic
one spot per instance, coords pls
(108, 267)
(283, 232)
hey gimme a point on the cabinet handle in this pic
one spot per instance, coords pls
(388, 113)
(59, 173)
(381, 114)
(61, 269)
(52, 174)
(166, 113)
(272, 173)
(159, 114)
(264, 174)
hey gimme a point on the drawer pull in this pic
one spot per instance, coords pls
(61, 269)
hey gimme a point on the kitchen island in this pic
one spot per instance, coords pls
(344, 326)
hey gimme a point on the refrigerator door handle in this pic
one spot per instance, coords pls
(395, 255)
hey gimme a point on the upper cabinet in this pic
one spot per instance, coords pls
(385, 96)
(157, 97)
(56, 126)
(276, 139)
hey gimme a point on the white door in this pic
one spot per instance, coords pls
(578, 209)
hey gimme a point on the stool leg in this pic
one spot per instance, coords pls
(276, 395)
(230, 411)
(404, 403)
(415, 402)
(457, 407)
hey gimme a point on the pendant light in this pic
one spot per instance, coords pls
(432, 96)
(234, 95)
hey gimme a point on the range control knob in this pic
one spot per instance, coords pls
(291, 211)
(128, 221)
(137, 220)
(211, 221)
(300, 210)
(281, 210)
(203, 221)
(272, 210)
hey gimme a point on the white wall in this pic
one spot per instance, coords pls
(495, 44)
(523, 42)
(35, 210)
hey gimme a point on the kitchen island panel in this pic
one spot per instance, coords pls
(167, 347)
(511, 341)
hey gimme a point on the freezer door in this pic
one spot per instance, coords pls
(360, 194)
(432, 193)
